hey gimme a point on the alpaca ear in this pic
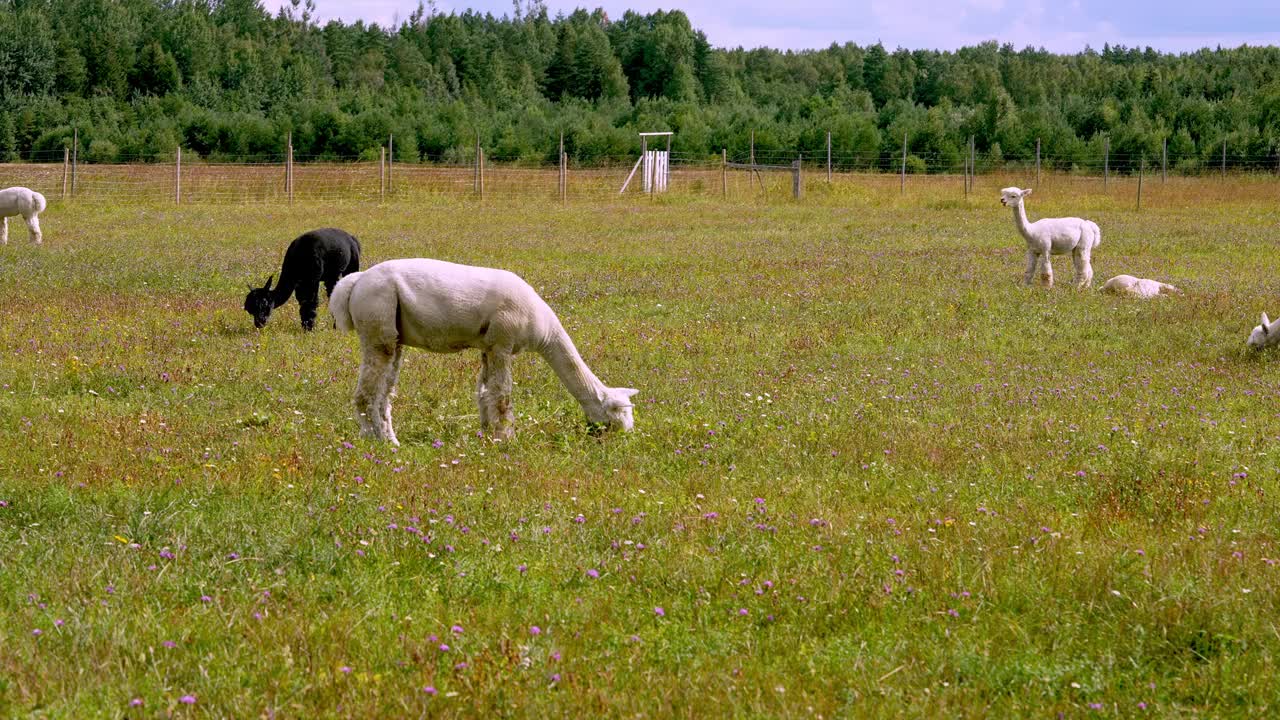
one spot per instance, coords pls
(621, 396)
(269, 279)
(1027, 192)
(1265, 322)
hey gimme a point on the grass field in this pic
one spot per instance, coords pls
(871, 475)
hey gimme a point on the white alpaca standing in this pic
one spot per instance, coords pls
(1053, 236)
(1138, 287)
(1265, 335)
(443, 307)
(21, 201)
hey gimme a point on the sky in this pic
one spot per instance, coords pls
(1065, 26)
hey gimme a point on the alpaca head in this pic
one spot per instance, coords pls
(614, 411)
(258, 303)
(1262, 335)
(1012, 196)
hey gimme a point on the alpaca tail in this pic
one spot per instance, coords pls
(37, 200)
(339, 302)
(1097, 234)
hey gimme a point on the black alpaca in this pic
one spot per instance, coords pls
(325, 255)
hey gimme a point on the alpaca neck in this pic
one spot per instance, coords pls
(582, 384)
(1020, 220)
(284, 287)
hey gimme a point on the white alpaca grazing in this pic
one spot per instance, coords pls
(1138, 287)
(21, 201)
(1265, 335)
(1053, 236)
(443, 307)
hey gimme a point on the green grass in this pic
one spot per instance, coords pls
(871, 475)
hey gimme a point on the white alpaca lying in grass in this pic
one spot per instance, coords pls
(1138, 287)
(1053, 236)
(21, 201)
(445, 308)
(1265, 335)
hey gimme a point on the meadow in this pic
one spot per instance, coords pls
(871, 475)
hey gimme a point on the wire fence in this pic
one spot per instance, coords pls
(287, 178)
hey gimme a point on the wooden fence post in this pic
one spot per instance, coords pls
(797, 186)
(828, 157)
(755, 173)
(382, 174)
(724, 172)
(66, 168)
(973, 163)
(1164, 161)
(391, 159)
(1106, 162)
(1037, 162)
(177, 178)
(1224, 158)
(288, 166)
(75, 157)
(475, 170)
(1142, 168)
(902, 182)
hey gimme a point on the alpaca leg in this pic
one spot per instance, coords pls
(308, 300)
(374, 368)
(483, 398)
(1084, 269)
(1030, 274)
(1046, 271)
(4, 231)
(499, 391)
(33, 224)
(392, 378)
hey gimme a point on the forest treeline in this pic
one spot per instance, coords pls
(227, 80)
